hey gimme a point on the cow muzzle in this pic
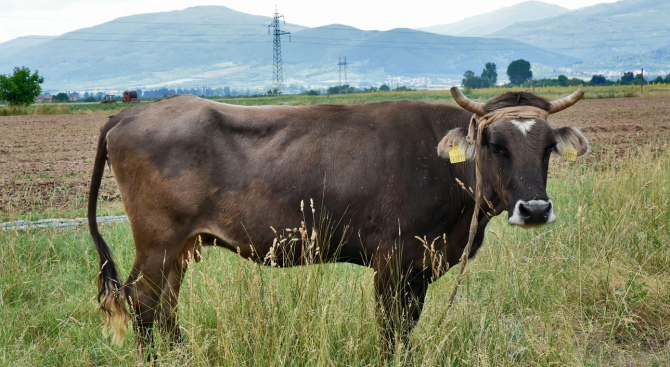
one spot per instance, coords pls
(532, 213)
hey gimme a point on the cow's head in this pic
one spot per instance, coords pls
(515, 153)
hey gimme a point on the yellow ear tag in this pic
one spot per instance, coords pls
(570, 153)
(456, 155)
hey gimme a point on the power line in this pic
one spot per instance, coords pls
(533, 48)
(409, 30)
(483, 49)
(135, 22)
(319, 38)
(77, 32)
(346, 28)
(465, 40)
(139, 41)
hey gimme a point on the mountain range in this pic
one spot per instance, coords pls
(488, 23)
(218, 46)
(599, 32)
(215, 45)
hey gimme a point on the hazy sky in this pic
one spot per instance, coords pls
(58, 17)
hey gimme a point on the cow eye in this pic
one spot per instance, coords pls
(497, 149)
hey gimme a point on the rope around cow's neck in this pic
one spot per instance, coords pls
(520, 112)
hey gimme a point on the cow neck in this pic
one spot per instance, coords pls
(445, 119)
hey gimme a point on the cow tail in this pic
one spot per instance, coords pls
(111, 293)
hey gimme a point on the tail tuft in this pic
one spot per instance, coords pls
(113, 304)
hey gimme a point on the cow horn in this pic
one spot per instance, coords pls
(467, 103)
(565, 102)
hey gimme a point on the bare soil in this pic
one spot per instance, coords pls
(49, 158)
(620, 123)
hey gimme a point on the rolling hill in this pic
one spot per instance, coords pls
(485, 24)
(599, 32)
(22, 43)
(214, 45)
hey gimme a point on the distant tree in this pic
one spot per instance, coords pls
(20, 88)
(61, 97)
(384, 88)
(598, 80)
(90, 99)
(86, 95)
(638, 78)
(311, 92)
(403, 88)
(100, 96)
(490, 73)
(334, 90)
(519, 71)
(627, 77)
(667, 79)
(563, 80)
(470, 80)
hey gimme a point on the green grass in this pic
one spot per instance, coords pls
(482, 95)
(63, 109)
(593, 289)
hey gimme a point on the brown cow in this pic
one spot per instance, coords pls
(188, 167)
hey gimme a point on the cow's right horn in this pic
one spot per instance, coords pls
(565, 102)
(467, 103)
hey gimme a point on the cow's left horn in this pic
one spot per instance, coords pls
(467, 103)
(565, 102)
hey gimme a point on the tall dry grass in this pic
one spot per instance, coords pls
(592, 289)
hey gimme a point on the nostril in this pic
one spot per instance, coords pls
(523, 211)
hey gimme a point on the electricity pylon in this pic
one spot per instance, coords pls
(340, 64)
(277, 73)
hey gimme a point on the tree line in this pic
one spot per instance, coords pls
(519, 73)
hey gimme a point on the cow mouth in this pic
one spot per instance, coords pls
(532, 213)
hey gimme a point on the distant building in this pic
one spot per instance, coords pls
(44, 99)
(74, 96)
(437, 87)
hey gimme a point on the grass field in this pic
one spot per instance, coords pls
(661, 90)
(592, 289)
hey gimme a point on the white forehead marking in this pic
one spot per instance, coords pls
(523, 125)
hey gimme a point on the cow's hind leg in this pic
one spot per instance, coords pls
(400, 293)
(153, 287)
(168, 316)
(145, 288)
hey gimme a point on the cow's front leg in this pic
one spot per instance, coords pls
(400, 292)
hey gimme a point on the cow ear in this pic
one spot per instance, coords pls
(457, 136)
(571, 136)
